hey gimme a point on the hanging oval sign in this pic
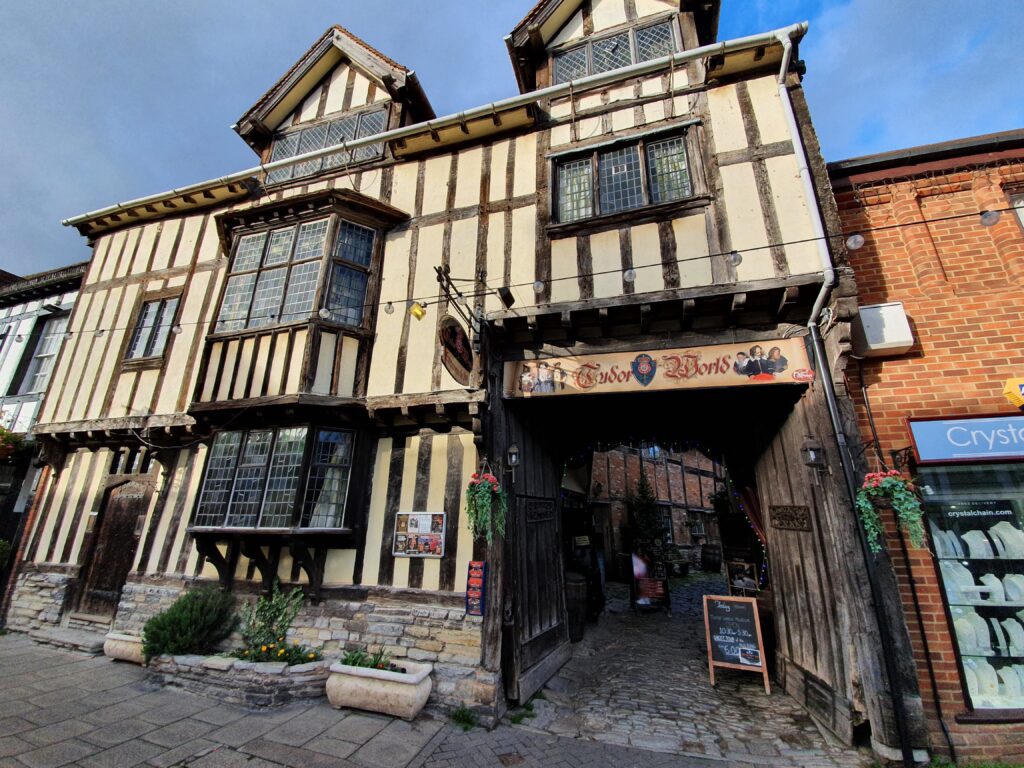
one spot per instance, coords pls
(456, 350)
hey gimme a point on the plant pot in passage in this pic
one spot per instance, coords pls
(400, 694)
(124, 648)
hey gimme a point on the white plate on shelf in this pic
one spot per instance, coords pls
(992, 581)
(978, 544)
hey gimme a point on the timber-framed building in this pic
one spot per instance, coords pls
(270, 374)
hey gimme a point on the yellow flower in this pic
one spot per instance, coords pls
(296, 642)
(263, 648)
(281, 652)
(312, 655)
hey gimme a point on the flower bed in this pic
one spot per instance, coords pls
(251, 684)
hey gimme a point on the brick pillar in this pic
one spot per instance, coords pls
(931, 277)
(1005, 233)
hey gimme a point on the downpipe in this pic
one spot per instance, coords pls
(821, 360)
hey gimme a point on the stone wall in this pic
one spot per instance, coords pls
(39, 596)
(268, 684)
(143, 599)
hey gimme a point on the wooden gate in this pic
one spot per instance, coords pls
(116, 538)
(536, 635)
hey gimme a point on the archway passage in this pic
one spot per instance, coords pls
(639, 676)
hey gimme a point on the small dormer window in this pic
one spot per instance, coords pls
(324, 134)
(604, 54)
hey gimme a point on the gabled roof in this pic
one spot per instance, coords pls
(336, 44)
(527, 43)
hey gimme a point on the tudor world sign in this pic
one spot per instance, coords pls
(779, 361)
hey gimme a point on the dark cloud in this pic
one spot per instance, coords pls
(114, 99)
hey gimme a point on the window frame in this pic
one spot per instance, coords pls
(137, 314)
(305, 467)
(359, 114)
(630, 30)
(641, 142)
(26, 370)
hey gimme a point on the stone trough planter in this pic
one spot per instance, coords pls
(262, 684)
(400, 694)
(124, 648)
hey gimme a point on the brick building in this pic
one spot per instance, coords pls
(938, 411)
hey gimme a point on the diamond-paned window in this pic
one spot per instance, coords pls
(326, 134)
(276, 478)
(621, 184)
(611, 53)
(603, 54)
(346, 294)
(654, 41)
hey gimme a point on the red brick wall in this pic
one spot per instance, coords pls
(962, 285)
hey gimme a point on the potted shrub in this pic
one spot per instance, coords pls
(889, 490)
(376, 683)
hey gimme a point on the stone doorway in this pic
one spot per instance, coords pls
(641, 680)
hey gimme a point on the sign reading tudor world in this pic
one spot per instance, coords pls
(781, 361)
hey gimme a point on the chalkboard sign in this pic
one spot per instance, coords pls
(733, 631)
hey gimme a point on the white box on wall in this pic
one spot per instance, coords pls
(881, 330)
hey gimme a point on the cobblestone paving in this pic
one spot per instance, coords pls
(642, 681)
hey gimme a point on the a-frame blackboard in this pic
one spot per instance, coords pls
(733, 630)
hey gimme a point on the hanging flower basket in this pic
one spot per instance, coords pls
(889, 490)
(486, 505)
(9, 443)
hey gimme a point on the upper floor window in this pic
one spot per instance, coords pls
(40, 367)
(622, 177)
(152, 329)
(614, 52)
(276, 478)
(326, 134)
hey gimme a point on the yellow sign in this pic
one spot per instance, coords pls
(1014, 391)
(779, 361)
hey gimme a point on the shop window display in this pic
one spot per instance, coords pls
(975, 515)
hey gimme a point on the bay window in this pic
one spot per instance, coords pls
(622, 177)
(276, 478)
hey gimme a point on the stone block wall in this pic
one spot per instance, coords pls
(39, 596)
(268, 684)
(143, 599)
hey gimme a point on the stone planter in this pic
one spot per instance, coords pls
(124, 648)
(391, 693)
(251, 684)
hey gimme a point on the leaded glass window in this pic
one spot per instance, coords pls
(604, 54)
(330, 464)
(346, 294)
(152, 328)
(37, 376)
(654, 41)
(629, 176)
(326, 134)
(280, 269)
(610, 53)
(258, 479)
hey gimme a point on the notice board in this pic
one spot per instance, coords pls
(733, 630)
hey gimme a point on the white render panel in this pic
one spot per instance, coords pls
(394, 279)
(608, 13)
(647, 258)
(793, 215)
(606, 256)
(423, 333)
(564, 286)
(726, 119)
(437, 171)
(771, 120)
(743, 208)
(572, 30)
(336, 89)
(692, 242)
(467, 186)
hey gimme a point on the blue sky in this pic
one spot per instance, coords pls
(109, 100)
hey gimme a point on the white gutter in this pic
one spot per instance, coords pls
(783, 35)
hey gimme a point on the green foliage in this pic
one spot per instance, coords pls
(889, 488)
(643, 510)
(10, 439)
(5, 552)
(280, 651)
(195, 623)
(464, 717)
(486, 506)
(358, 658)
(268, 619)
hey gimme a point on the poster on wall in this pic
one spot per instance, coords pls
(476, 597)
(777, 361)
(742, 578)
(419, 534)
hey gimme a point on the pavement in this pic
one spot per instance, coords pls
(62, 708)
